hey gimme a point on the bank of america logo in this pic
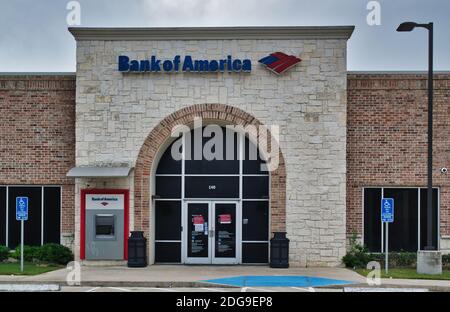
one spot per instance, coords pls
(279, 62)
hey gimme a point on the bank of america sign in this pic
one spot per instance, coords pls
(277, 62)
(185, 64)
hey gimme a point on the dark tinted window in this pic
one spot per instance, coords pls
(255, 252)
(167, 164)
(424, 218)
(52, 214)
(403, 231)
(255, 220)
(168, 220)
(168, 187)
(252, 161)
(211, 187)
(372, 221)
(33, 225)
(2, 216)
(220, 165)
(256, 187)
(167, 252)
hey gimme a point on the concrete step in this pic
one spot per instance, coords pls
(103, 263)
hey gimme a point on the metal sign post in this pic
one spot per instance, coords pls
(386, 260)
(22, 216)
(21, 245)
(387, 216)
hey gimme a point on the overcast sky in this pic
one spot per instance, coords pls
(34, 36)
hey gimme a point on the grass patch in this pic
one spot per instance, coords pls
(29, 268)
(408, 273)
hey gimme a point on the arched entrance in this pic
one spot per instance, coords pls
(211, 208)
(149, 182)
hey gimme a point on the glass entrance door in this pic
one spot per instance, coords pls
(197, 236)
(225, 238)
(212, 233)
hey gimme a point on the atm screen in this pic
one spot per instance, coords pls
(104, 226)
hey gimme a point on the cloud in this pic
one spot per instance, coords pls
(34, 33)
(243, 12)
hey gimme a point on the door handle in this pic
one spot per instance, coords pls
(211, 233)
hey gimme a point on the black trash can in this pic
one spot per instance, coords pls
(279, 250)
(137, 250)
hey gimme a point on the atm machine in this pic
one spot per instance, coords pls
(105, 214)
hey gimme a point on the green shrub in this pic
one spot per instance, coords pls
(54, 253)
(30, 253)
(357, 256)
(49, 253)
(446, 262)
(403, 259)
(396, 259)
(4, 253)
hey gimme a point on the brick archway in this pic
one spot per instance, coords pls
(161, 133)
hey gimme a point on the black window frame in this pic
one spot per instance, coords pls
(384, 192)
(50, 233)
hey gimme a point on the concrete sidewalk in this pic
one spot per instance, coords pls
(196, 276)
(434, 285)
(175, 275)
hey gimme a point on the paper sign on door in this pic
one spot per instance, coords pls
(225, 219)
(198, 222)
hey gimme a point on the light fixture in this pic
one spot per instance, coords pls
(407, 26)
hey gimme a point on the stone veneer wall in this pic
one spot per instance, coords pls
(116, 112)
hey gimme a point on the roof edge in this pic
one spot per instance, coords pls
(37, 74)
(397, 72)
(212, 33)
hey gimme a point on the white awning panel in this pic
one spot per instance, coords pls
(99, 172)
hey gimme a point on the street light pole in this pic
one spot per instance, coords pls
(409, 26)
(429, 245)
(429, 261)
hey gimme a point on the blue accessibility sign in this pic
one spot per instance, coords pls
(387, 210)
(21, 208)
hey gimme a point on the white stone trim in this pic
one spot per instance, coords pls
(212, 33)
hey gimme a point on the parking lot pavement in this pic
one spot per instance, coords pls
(196, 289)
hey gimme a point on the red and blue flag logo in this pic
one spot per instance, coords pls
(279, 62)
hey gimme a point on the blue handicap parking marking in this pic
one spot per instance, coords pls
(21, 208)
(278, 281)
(387, 210)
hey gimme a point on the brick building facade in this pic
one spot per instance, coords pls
(340, 132)
(37, 126)
(387, 139)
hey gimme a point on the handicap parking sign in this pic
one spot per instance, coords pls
(387, 210)
(21, 208)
